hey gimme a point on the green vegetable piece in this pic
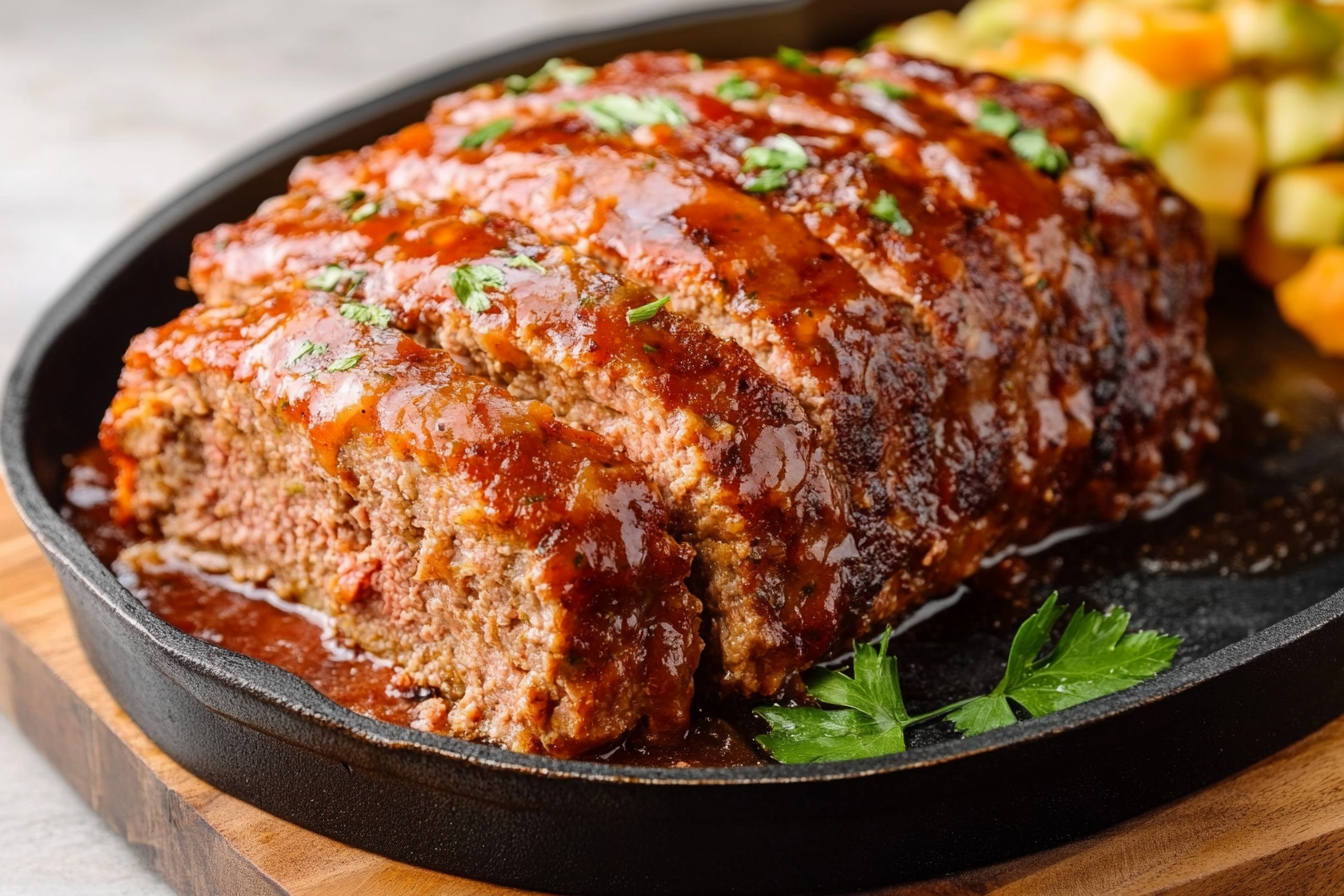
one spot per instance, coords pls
(364, 212)
(487, 132)
(872, 724)
(1033, 147)
(366, 314)
(997, 120)
(346, 363)
(615, 112)
(737, 88)
(885, 208)
(336, 278)
(889, 90)
(523, 261)
(796, 60)
(1094, 657)
(785, 154)
(645, 313)
(470, 283)
(561, 72)
(306, 348)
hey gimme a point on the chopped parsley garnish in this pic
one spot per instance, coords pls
(737, 88)
(615, 112)
(645, 313)
(336, 278)
(366, 314)
(487, 132)
(795, 59)
(1031, 145)
(774, 162)
(695, 61)
(1092, 658)
(534, 499)
(994, 119)
(523, 261)
(364, 212)
(558, 70)
(346, 363)
(885, 208)
(352, 199)
(891, 91)
(470, 283)
(1034, 148)
(306, 348)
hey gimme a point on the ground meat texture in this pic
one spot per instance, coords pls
(731, 450)
(512, 562)
(896, 356)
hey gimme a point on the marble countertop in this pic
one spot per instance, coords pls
(109, 108)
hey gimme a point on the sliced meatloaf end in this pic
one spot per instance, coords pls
(510, 561)
(731, 450)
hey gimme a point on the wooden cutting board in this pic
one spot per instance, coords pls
(1276, 828)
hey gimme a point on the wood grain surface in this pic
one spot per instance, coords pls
(1276, 829)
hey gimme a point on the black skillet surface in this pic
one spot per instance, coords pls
(1245, 571)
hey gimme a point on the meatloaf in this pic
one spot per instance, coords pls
(844, 335)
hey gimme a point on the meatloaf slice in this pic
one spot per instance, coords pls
(514, 563)
(730, 449)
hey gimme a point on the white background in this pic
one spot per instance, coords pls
(109, 107)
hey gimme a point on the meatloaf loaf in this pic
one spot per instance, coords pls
(841, 328)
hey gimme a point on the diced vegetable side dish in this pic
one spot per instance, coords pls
(1239, 102)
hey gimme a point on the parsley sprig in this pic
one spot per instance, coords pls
(1092, 658)
(796, 59)
(487, 132)
(615, 112)
(885, 208)
(1029, 144)
(774, 162)
(336, 278)
(371, 315)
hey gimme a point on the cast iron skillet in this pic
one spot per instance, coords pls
(1253, 683)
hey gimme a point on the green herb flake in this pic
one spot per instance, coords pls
(646, 313)
(796, 60)
(1092, 658)
(533, 499)
(487, 132)
(695, 61)
(364, 212)
(785, 154)
(352, 199)
(366, 314)
(887, 89)
(346, 363)
(737, 87)
(1034, 148)
(470, 283)
(336, 278)
(995, 119)
(563, 73)
(615, 112)
(306, 348)
(523, 261)
(885, 208)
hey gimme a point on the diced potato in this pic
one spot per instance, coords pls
(1140, 110)
(1266, 260)
(1179, 47)
(1215, 161)
(1312, 300)
(1031, 56)
(933, 35)
(1304, 119)
(1304, 207)
(1283, 32)
(1097, 21)
(988, 23)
